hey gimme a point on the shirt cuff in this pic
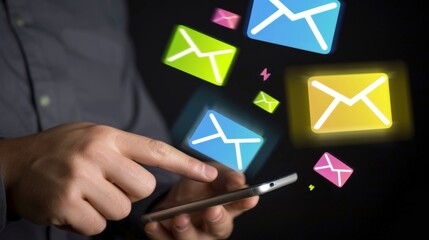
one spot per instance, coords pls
(3, 206)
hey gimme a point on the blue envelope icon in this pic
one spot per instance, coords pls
(225, 141)
(308, 25)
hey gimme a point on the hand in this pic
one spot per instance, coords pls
(77, 176)
(212, 223)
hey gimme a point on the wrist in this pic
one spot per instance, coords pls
(3, 161)
(9, 151)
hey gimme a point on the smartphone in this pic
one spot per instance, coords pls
(222, 199)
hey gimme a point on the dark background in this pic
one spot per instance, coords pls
(386, 195)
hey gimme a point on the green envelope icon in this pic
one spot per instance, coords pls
(266, 102)
(200, 55)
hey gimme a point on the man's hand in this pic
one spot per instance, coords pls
(212, 223)
(77, 176)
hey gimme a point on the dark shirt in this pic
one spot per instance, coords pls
(64, 61)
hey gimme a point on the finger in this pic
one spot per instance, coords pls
(229, 180)
(235, 180)
(218, 222)
(107, 198)
(236, 208)
(182, 228)
(132, 178)
(159, 154)
(155, 231)
(84, 219)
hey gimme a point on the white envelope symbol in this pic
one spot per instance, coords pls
(367, 105)
(225, 141)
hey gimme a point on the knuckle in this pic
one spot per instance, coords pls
(223, 226)
(93, 146)
(95, 226)
(77, 170)
(103, 130)
(150, 184)
(88, 150)
(97, 134)
(159, 149)
(123, 210)
(91, 223)
(197, 166)
(63, 198)
(126, 210)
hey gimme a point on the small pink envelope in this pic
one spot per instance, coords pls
(333, 169)
(225, 18)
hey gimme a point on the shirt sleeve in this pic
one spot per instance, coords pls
(3, 208)
(5, 216)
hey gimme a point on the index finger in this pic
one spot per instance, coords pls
(156, 153)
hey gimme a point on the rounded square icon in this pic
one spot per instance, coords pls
(226, 18)
(200, 55)
(225, 141)
(333, 169)
(266, 102)
(351, 102)
(308, 25)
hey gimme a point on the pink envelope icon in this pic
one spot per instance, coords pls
(225, 18)
(333, 169)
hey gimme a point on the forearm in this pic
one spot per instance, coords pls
(5, 214)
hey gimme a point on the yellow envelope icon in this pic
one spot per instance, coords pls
(352, 102)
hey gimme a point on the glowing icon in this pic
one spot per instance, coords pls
(311, 187)
(266, 102)
(349, 102)
(333, 169)
(265, 74)
(226, 141)
(226, 18)
(200, 55)
(308, 25)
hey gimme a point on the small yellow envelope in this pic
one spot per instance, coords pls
(266, 102)
(351, 102)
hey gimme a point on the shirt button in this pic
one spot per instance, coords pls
(44, 100)
(20, 21)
